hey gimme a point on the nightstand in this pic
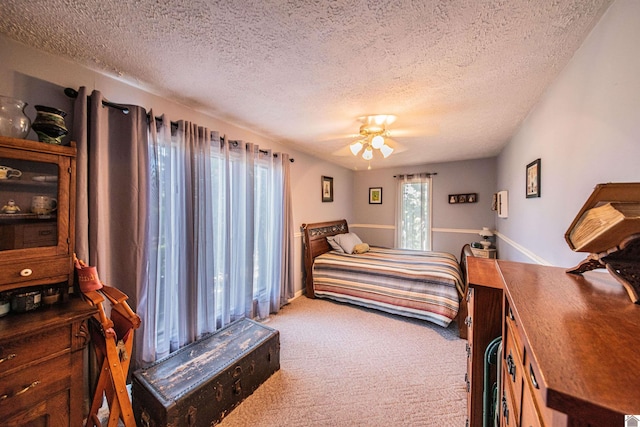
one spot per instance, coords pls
(484, 253)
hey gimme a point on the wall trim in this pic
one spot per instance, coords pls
(434, 229)
(524, 251)
(456, 230)
(379, 226)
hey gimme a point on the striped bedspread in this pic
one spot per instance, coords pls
(424, 285)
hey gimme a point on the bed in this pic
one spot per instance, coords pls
(418, 284)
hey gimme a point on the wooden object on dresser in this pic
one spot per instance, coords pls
(484, 253)
(41, 369)
(570, 349)
(484, 323)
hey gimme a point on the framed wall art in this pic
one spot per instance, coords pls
(327, 189)
(533, 179)
(463, 198)
(375, 195)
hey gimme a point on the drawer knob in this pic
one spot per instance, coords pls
(26, 272)
(27, 388)
(505, 408)
(9, 357)
(533, 377)
(511, 367)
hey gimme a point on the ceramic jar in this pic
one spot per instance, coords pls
(14, 122)
(49, 124)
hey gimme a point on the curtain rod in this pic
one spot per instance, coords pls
(411, 175)
(72, 93)
(235, 144)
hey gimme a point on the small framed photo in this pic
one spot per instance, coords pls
(453, 198)
(375, 195)
(462, 198)
(327, 189)
(533, 179)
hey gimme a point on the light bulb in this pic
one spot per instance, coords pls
(386, 150)
(377, 141)
(368, 154)
(355, 147)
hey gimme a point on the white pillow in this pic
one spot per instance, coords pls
(347, 241)
(334, 245)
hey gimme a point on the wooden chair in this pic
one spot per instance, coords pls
(112, 335)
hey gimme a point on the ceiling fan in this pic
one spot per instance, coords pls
(373, 138)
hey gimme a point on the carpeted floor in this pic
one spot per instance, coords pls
(346, 366)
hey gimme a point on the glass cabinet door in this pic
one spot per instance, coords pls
(28, 203)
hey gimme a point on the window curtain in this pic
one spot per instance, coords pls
(220, 235)
(413, 216)
(111, 202)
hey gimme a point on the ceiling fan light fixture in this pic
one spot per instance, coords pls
(368, 154)
(386, 150)
(377, 141)
(356, 147)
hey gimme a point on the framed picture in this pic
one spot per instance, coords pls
(375, 195)
(463, 198)
(327, 189)
(533, 179)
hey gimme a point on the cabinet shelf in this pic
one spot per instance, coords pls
(24, 216)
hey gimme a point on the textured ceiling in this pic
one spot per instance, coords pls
(460, 75)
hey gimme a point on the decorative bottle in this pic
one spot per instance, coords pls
(13, 121)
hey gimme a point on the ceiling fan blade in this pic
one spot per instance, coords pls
(344, 151)
(397, 147)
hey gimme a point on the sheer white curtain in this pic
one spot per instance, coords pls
(220, 235)
(413, 216)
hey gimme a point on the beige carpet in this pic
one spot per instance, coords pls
(346, 366)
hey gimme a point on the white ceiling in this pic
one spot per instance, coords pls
(460, 75)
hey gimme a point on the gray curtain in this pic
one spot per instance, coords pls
(111, 209)
(287, 290)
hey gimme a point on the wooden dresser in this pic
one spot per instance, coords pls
(571, 348)
(484, 314)
(41, 375)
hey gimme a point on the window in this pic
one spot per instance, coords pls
(413, 219)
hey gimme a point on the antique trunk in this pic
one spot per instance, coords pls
(201, 383)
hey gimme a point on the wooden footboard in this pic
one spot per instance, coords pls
(315, 243)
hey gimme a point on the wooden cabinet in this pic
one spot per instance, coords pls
(570, 348)
(484, 314)
(41, 363)
(42, 235)
(41, 372)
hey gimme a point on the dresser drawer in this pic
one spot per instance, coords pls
(512, 366)
(17, 353)
(37, 235)
(508, 405)
(33, 270)
(530, 417)
(25, 387)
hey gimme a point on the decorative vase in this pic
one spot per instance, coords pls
(49, 124)
(13, 121)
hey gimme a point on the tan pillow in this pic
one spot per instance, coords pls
(360, 248)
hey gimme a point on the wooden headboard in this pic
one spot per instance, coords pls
(315, 243)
